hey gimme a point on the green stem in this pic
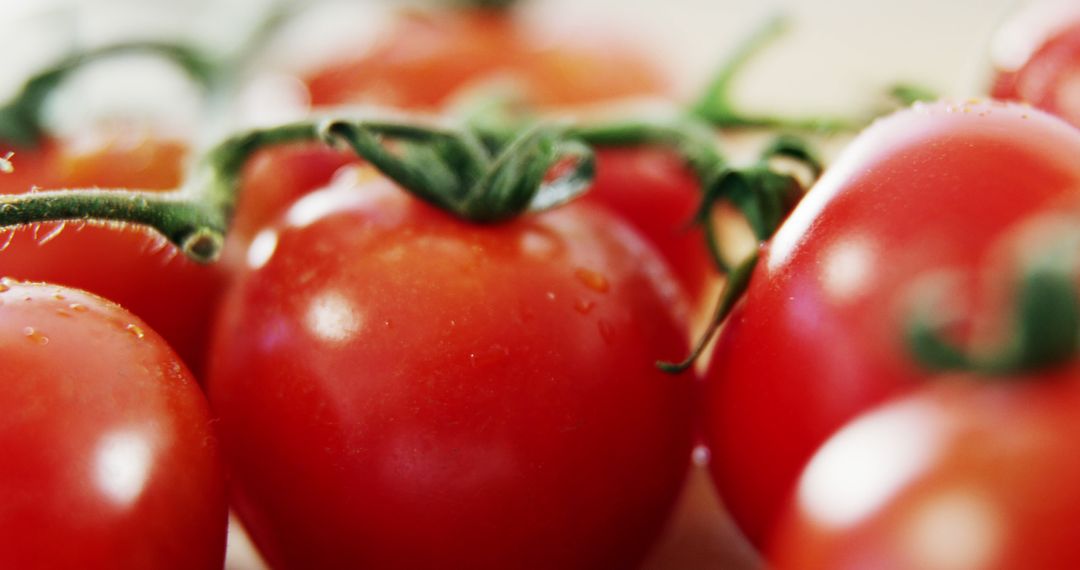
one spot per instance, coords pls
(449, 168)
(737, 282)
(21, 117)
(184, 222)
(718, 108)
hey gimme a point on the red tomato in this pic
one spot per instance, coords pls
(273, 179)
(128, 265)
(1037, 58)
(426, 58)
(655, 191)
(400, 389)
(109, 457)
(961, 475)
(818, 336)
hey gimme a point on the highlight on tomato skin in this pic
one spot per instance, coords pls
(388, 377)
(966, 473)
(1036, 58)
(128, 265)
(272, 179)
(923, 189)
(110, 459)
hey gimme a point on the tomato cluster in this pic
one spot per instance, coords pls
(386, 382)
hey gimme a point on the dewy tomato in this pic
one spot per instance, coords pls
(819, 337)
(400, 389)
(109, 457)
(128, 265)
(427, 58)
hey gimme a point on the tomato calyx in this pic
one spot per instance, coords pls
(453, 170)
(1045, 328)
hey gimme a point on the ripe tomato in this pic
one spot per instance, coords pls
(428, 57)
(128, 265)
(109, 459)
(274, 178)
(1037, 59)
(959, 475)
(400, 389)
(425, 58)
(818, 336)
(655, 191)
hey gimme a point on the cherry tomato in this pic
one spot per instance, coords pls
(128, 264)
(426, 58)
(818, 337)
(1037, 59)
(960, 475)
(109, 457)
(273, 179)
(399, 389)
(656, 192)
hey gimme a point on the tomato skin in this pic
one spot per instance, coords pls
(426, 58)
(274, 178)
(655, 191)
(1038, 59)
(110, 460)
(399, 389)
(974, 476)
(818, 336)
(129, 265)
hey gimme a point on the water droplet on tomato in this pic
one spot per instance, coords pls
(35, 335)
(135, 330)
(4, 287)
(550, 295)
(591, 279)
(78, 308)
(492, 356)
(58, 297)
(700, 455)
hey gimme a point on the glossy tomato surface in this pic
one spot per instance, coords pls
(424, 59)
(399, 389)
(272, 179)
(1037, 58)
(128, 265)
(818, 337)
(654, 190)
(109, 457)
(973, 474)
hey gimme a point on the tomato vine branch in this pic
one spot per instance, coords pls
(21, 117)
(717, 107)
